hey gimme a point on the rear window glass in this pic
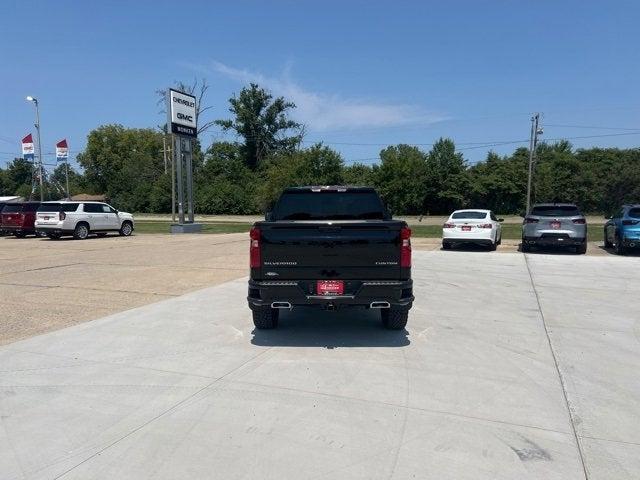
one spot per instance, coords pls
(58, 207)
(9, 208)
(329, 205)
(634, 213)
(555, 211)
(31, 207)
(470, 215)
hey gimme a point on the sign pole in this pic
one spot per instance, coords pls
(182, 122)
(173, 177)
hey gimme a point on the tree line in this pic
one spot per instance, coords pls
(247, 175)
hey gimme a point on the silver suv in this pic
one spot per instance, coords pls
(554, 225)
(81, 219)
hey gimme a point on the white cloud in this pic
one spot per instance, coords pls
(322, 112)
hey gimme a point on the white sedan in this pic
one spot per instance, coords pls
(480, 227)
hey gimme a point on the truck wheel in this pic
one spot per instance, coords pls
(81, 231)
(581, 249)
(524, 248)
(54, 236)
(126, 229)
(265, 318)
(607, 243)
(394, 318)
(446, 245)
(19, 234)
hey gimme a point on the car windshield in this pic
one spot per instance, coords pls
(469, 215)
(634, 213)
(329, 205)
(58, 207)
(555, 211)
(9, 208)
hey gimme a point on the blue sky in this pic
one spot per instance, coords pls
(363, 74)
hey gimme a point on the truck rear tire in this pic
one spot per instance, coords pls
(265, 318)
(394, 318)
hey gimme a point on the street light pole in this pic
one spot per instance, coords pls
(37, 125)
(533, 142)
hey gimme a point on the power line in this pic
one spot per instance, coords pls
(590, 127)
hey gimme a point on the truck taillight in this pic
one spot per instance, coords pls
(530, 220)
(405, 247)
(485, 225)
(449, 225)
(254, 248)
(62, 216)
(579, 221)
(630, 222)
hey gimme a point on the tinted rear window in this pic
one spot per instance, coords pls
(555, 211)
(58, 207)
(329, 205)
(634, 213)
(9, 208)
(30, 207)
(470, 215)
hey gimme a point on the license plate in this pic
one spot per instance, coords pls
(330, 287)
(466, 229)
(555, 225)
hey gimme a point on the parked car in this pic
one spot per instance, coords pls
(474, 226)
(555, 225)
(330, 247)
(80, 219)
(18, 218)
(622, 231)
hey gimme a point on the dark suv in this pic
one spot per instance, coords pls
(554, 225)
(19, 218)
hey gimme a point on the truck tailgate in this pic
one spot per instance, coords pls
(331, 251)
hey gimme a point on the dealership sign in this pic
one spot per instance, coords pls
(27, 147)
(182, 113)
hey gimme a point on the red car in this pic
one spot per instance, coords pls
(18, 218)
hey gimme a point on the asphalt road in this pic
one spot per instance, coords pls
(512, 367)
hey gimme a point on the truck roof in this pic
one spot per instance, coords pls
(329, 188)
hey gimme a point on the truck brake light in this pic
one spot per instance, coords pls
(254, 248)
(62, 215)
(449, 225)
(405, 247)
(530, 220)
(485, 225)
(579, 221)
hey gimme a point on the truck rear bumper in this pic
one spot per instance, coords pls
(361, 293)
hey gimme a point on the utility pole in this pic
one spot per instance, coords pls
(37, 125)
(533, 142)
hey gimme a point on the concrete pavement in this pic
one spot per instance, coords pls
(512, 367)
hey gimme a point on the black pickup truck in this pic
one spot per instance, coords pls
(330, 247)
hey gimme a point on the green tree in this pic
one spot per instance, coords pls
(447, 178)
(263, 123)
(124, 164)
(358, 174)
(499, 183)
(317, 165)
(225, 185)
(402, 178)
